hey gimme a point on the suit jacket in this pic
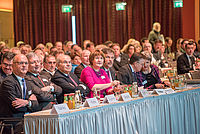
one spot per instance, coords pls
(11, 89)
(124, 61)
(67, 84)
(2, 75)
(44, 98)
(78, 70)
(112, 71)
(45, 73)
(125, 75)
(183, 65)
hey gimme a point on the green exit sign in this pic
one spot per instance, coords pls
(66, 8)
(120, 6)
(178, 4)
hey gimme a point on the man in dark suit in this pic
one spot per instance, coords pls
(121, 59)
(85, 62)
(46, 91)
(185, 61)
(16, 96)
(6, 65)
(127, 73)
(49, 66)
(68, 81)
(108, 63)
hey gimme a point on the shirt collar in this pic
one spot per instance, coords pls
(18, 78)
(49, 71)
(131, 68)
(34, 74)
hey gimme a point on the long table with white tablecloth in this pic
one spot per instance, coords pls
(177, 113)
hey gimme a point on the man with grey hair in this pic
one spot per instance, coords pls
(155, 34)
(84, 63)
(67, 80)
(46, 91)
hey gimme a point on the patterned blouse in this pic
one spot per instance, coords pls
(149, 80)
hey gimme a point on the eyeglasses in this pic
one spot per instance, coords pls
(7, 65)
(21, 63)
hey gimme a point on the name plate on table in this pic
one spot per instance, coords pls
(91, 102)
(144, 93)
(159, 91)
(60, 109)
(169, 91)
(110, 99)
(125, 97)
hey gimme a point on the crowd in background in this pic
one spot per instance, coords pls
(35, 79)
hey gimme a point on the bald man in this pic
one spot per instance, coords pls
(68, 81)
(16, 96)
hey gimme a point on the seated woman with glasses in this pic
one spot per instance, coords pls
(95, 77)
(149, 76)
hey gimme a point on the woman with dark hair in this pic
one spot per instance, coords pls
(149, 76)
(95, 77)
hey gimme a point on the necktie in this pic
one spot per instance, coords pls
(108, 73)
(24, 88)
(41, 80)
(73, 81)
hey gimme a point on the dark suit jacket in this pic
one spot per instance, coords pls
(2, 75)
(67, 84)
(44, 98)
(11, 89)
(125, 75)
(124, 61)
(183, 65)
(45, 73)
(113, 73)
(78, 70)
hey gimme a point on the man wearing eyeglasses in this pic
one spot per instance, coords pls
(49, 66)
(16, 96)
(67, 80)
(6, 65)
(127, 73)
(46, 91)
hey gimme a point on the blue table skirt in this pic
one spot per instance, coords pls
(177, 113)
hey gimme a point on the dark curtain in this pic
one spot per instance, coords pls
(41, 21)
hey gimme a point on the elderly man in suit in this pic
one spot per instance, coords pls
(46, 91)
(186, 60)
(108, 63)
(127, 73)
(121, 59)
(85, 62)
(68, 81)
(16, 96)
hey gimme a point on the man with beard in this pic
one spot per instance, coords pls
(67, 80)
(108, 63)
(6, 65)
(84, 63)
(46, 91)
